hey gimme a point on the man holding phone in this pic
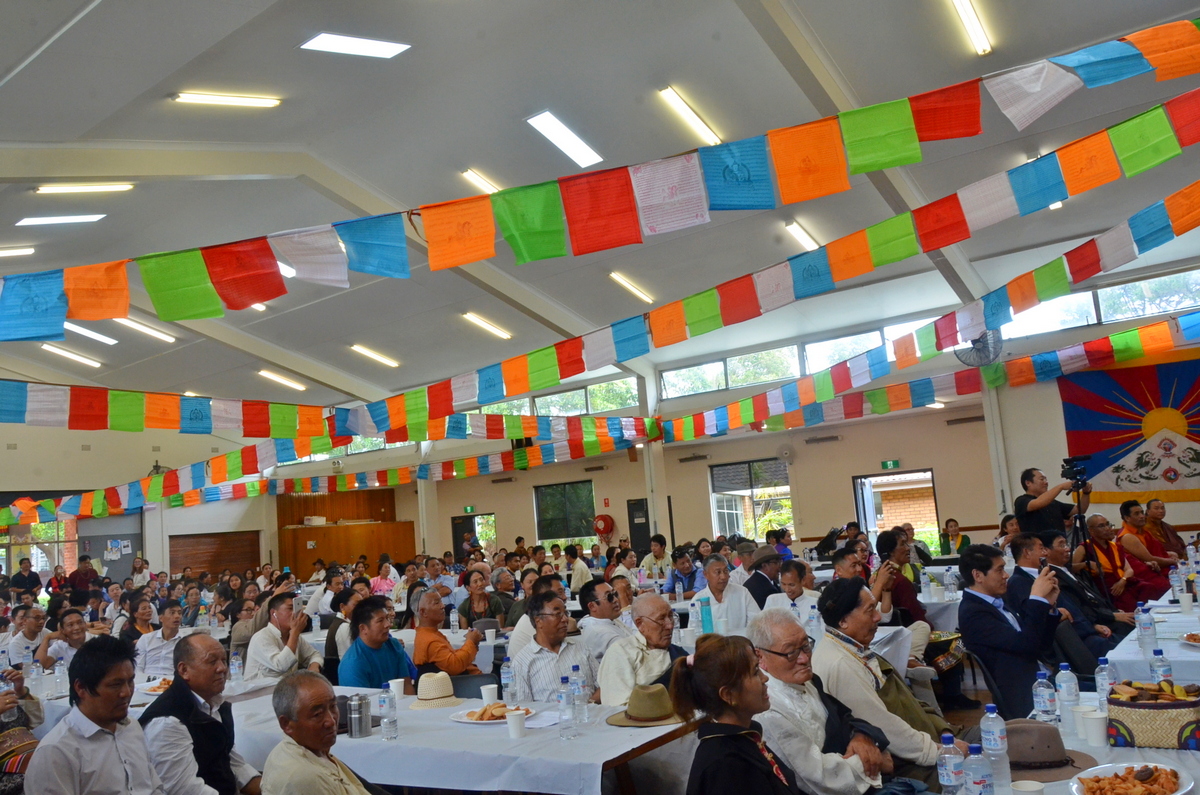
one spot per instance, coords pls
(1030, 554)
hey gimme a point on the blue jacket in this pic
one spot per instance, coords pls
(692, 582)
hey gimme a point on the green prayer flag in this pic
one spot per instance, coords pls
(174, 501)
(512, 427)
(418, 431)
(154, 493)
(822, 386)
(1051, 280)
(1145, 141)
(343, 483)
(521, 457)
(416, 406)
(1126, 345)
(543, 368)
(651, 428)
(285, 420)
(878, 400)
(591, 447)
(994, 374)
(531, 219)
(322, 444)
(49, 506)
(746, 409)
(589, 427)
(460, 468)
(126, 411)
(893, 240)
(775, 423)
(253, 488)
(689, 428)
(703, 312)
(927, 342)
(99, 504)
(233, 464)
(6, 517)
(179, 286)
(880, 136)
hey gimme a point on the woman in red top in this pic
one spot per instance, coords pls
(58, 581)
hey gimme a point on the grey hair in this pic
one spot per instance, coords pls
(761, 629)
(287, 692)
(641, 604)
(715, 557)
(497, 574)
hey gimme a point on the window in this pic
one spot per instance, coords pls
(897, 331)
(757, 492)
(763, 366)
(612, 395)
(820, 355)
(360, 444)
(563, 404)
(511, 407)
(564, 510)
(1065, 312)
(1151, 297)
(46, 544)
(693, 380)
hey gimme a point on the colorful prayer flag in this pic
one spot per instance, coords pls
(880, 136)
(1144, 141)
(739, 300)
(97, 292)
(941, 223)
(811, 274)
(703, 312)
(1106, 63)
(376, 244)
(1088, 163)
(810, 160)
(33, 306)
(179, 285)
(950, 112)
(601, 210)
(1183, 208)
(1172, 49)
(244, 273)
(892, 240)
(531, 219)
(668, 324)
(1184, 111)
(850, 256)
(737, 175)
(670, 194)
(459, 232)
(1038, 184)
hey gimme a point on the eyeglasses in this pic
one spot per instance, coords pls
(669, 621)
(791, 656)
(557, 615)
(611, 596)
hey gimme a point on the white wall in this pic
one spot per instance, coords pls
(227, 516)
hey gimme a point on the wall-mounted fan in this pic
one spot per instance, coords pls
(984, 350)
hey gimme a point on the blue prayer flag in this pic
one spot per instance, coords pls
(996, 309)
(630, 339)
(814, 414)
(285, 450)
(341, 423)
(379, 415)
(1103, 64)
(1046, 366)
(136, 499)
(1151, 227)
(491, 384)
(376, 244)
(33, 306)
(811, 274)
(791, 396)
(1190, 325)
(878, 362)
(72, 504)
(614, 427)
(921, 392)
(485, 465)
(13, 398)
(200, 474)
(721, 417)
(1037, 185)
(668, 431)
(737, 175)
(361, 479)
(548, 456)
(195, 415)
(423, 472)
(456, 426)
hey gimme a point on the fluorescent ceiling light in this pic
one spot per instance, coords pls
(83, 188)
(136, 326)
(87, 332)
(281, 380)
(936, 405)
(483, 324)
(221, 99)
(287, 270)
(353, 45)
(1056, 206)
(59, 219)
(379, 357)
(478, 180)
(631, 287)
(975, 32)
(572, 146)
(690, 116)
(803, 237)
(68, 355)
(15, 252)
(259, 307)
(190, 394)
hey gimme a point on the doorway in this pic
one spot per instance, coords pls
(639, 525)
(479, 525)
(885, 500)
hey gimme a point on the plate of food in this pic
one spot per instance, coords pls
(156, 686)
(491, 714)
(1123, 779)
(1191, 639)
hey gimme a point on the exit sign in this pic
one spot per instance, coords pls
(893, 464)
(468, 509)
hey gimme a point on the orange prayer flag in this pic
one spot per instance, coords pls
(459, 232)
(793, 419)
(1022, 292)
(404, 475)
(471, 467)
(436, 428)
(97, 292)
(1183, 208)
(191, 498)
(533, 456)
(899, 397)
(1172, 49)
(906, 351)
(1020, 371)
(85, 503)
(397, 415)
(162, 411)
(735, 414)
(607, 445)
(303, 445)
(808, 393)
(529, 427)
(668, 324)
(311, 421)
(810, 160)
(1088, 163)
(1156, 338)
(850, 256)
(516, 375)
(217, 468)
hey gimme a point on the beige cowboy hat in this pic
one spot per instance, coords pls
(1036, 753)
(764, 555)
(649, 705)
(435, 691)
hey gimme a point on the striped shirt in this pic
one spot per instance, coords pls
(537, 671)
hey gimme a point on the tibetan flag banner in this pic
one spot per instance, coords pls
(1116, 247)
(926, 337)
(531, 220)
(543, 368)
(629, 338)
(941, 223)
(244, 273)
(994, 375)
(315, 253)
(97, 292)
(440, 397)
(1026, 93)
(570, 357)
(1183, 208)
(89, 409)
(1020, 371)
(670, 194)
(1088, 163)
(284, 420)
(1145, 141)
(516, 376)
(1083, 261)
(810, 160)
(906, 351)
(376, 244)
(850, 256)
(737, 175)
(126, 411)
(1106, 63)
(811, 274)
(987, 202)
(179, 285)
(880, 136)
(1151, 227)
(459, 232)
(996, 309)
(601, 210)
(1046, 366)
(1184, 111)
(899, 397)
(946, 330)
(893, 240)
(950, 112)
(739, 300)
(703, 312)
(162, 411)
(1126, 345)
(1156, 338)
(822, 386)
(878, 400)
(668, 324)
(1037, 185)
(1172, 49)
(1099, 352)
(33, 306)
(773, 286)
(1051, 280)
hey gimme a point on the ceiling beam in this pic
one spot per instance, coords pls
(26, 370)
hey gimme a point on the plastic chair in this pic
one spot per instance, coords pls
(993, 688)
(471, 685)
(484, 624)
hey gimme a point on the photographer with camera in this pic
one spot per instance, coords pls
(1038, 511)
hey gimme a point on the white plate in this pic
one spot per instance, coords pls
(1185, 779)
(1162, 611)
(144, 687)
(461, 717)
(1193, 644)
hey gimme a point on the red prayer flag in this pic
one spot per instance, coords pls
(89, 409)
(840, 374)
(739, 300)
(256, 419)
(941, 223)
(331, 425)
(440, 399)
(113, 498)
(967, 382)
(570, 357)
(1084, 261)
(249, 459)
(170, 483)
(575, 446)
(1099, 352)
(950, 112)
(495, 426)
(506, 461)
(239, 491)
(447, 470)
(852, 405)
(574, 428)
(698, 424)
(601, 211)
(396, 435)
(946, 330)
(762, 409)
(244, 273)
(1184, 111)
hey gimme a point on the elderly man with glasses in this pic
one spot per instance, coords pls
(831, 751)
(539, 667)
(644, 658)
(601, 626)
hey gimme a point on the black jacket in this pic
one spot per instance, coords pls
(841, 725)
(1011, 656)
(760, 587)
(212, 739)
(728, 761)
(1083, 591)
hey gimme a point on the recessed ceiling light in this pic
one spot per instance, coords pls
(287, 270)
(804, 238)
(1056, 206)
(483, 324)
(83, 188)
(259, 307)
(379, 357)
(353, 45)
(281, 380)
(59, 219)
(690, 116)
(479, 181)
(222, 99)
(15, 252)
(558, 133)
(631, 287)
(974, 27)
(69, 355)
(190, 394)
(87, 332)
(136, 326)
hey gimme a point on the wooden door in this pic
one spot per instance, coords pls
(213, 552)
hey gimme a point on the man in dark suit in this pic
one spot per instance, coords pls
(1028, 551)
(764, 567)
(1098, 626)
(1008, 642)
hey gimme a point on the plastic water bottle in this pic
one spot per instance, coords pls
(34, 679)
(1147, 634)
(1176, 580)
(706, 618)
(387, 713)
(994, 734)
(567, 730)
(212, 619)
(814, 626)
(1045, 704)
(60, 678)
(977, 772)
(236, 668)
(950, 766)
(1160, 667)
(951, 584)
(506, 679)
(6, 686)
(679, 592)
(1066, 685)
(1104, 683)
(580, 692)
(27, 657)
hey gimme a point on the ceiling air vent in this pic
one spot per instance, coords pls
(822, 439)
(689, 459)
(600, 468)
(965, 420)
(504, 480)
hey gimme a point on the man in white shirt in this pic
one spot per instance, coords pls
(32, 632)
(114, 606)
(189, 728)
(556, 558)
(645, 657)
(265, 577)
(580, 574)
(96, 749)
(523, 632)
(600, 626)
(156, 651)
(322, 597)
(277, 649)
(71, 634)
(538, 669)
(795, 596)
(730, 602)
(745, 551)
(444, 584)
(657, 564)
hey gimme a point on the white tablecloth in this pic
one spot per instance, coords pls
(484, 659)
(1129, 662)
(943, 615)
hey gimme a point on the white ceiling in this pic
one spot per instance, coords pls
(371, 135)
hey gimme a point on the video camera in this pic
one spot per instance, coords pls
(1074, 471)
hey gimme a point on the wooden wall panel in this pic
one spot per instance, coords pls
(344, 543)
(375, 504)
(213, 552)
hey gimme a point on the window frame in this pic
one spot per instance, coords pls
(539, 490)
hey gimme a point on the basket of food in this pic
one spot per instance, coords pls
(1162, 715)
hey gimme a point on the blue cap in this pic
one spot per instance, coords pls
(574, 667)
(974, 748)
(565, 680)
(989, 709)
(387, 685)
(947, 739)
(1041, 675)
(1158, 652)
(1104, 661)
(507, 659)
(1064, 666)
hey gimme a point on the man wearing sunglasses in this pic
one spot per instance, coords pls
(600, 627)
(644, 658)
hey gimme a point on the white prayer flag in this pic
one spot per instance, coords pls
(670, 194)
(478, 425)
(775, 402)
(464, 388)
(226, 415)
(988, 201)
(266, 455)
(944, 385)
(834, 410)
(598, 349)
(970, 321)
(315, 253)
(860, 370)
(1025, 94)
(1116, 247)
(1072, 359)
(46, 404)
(774, 287)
